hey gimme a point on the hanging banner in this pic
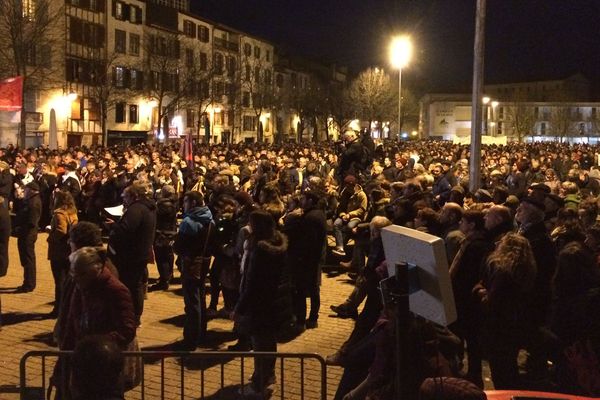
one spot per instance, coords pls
(11, 94)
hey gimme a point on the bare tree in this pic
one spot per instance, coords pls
(339, 107)
(30, 32)
(561, 122)
(373, 95)
(521, 118)
(257, 82)
(170, 82)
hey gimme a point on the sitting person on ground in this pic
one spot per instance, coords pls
(350, 212)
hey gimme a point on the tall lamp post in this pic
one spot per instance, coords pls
(400, 55)
(485, 101)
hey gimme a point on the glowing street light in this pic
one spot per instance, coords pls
(400, 54)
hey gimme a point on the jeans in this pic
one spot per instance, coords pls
(264, 367)
(26, 246)
(194, 329)
(338, 230)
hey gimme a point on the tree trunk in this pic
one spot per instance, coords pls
(103, 125)
(315, 130)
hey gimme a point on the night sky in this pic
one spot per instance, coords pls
(525, 39)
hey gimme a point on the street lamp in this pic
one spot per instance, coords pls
(400, 55)
(485, 100)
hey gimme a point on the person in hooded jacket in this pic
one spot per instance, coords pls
(192, 245)
(130, 242)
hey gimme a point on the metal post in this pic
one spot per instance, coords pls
(476, 109)
(402, 327)
(399, 102)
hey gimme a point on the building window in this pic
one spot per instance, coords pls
(543, 128)
(218, 118)
(203, 61)
(256, 74)
(246, 99)
(120, 113)
(279, 80)
(189, 58)
(249, 123)
(119, 10)
(267, 77)
(119, 77)
(248, 72)
(268, 56)
(134, 44)
(501, 113)
(120, 41)
(582, 128)
(500, 128)
(218, 63)
(189, 29)
(247, 50)
(133, 114)
(256, 51)
(231, 66)
(136, 80)
(203, 33)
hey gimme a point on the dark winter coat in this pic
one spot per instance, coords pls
(105, 308)
(4, 237)
(544, 253)
(28, 213)
(6, 183)
(131, 237)
(259, 287)
(465, 273)
(166, 222)
(306, 234)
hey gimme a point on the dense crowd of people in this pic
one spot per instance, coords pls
(253, 219)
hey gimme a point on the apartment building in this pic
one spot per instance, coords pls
(131, 71)
(448, 117)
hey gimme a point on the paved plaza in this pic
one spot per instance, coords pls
(27, 327)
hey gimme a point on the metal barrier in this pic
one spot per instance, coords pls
(222, 361)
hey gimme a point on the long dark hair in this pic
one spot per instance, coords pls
(262, 224)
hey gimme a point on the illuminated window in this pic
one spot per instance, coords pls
(203, 33)
(119, 77)
(29, 9)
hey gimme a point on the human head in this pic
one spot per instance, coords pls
(513, 254)
(83, 234)
(450, 214)
(377, 224)
(472, 221)
(133, 193)
(261, 224)
(576, 271)
(86, 265)
(496, 216)
(192, 199)
(63, 199)
(530, 211)
(97, 368)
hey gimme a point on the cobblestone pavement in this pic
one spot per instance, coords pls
(28, 327)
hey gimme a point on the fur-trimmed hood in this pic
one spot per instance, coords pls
(276, 245)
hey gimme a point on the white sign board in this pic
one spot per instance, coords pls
(434, 299)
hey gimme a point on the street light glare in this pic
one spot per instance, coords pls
(485, 100)
(401, 51)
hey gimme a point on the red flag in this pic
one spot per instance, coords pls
(11, 94)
